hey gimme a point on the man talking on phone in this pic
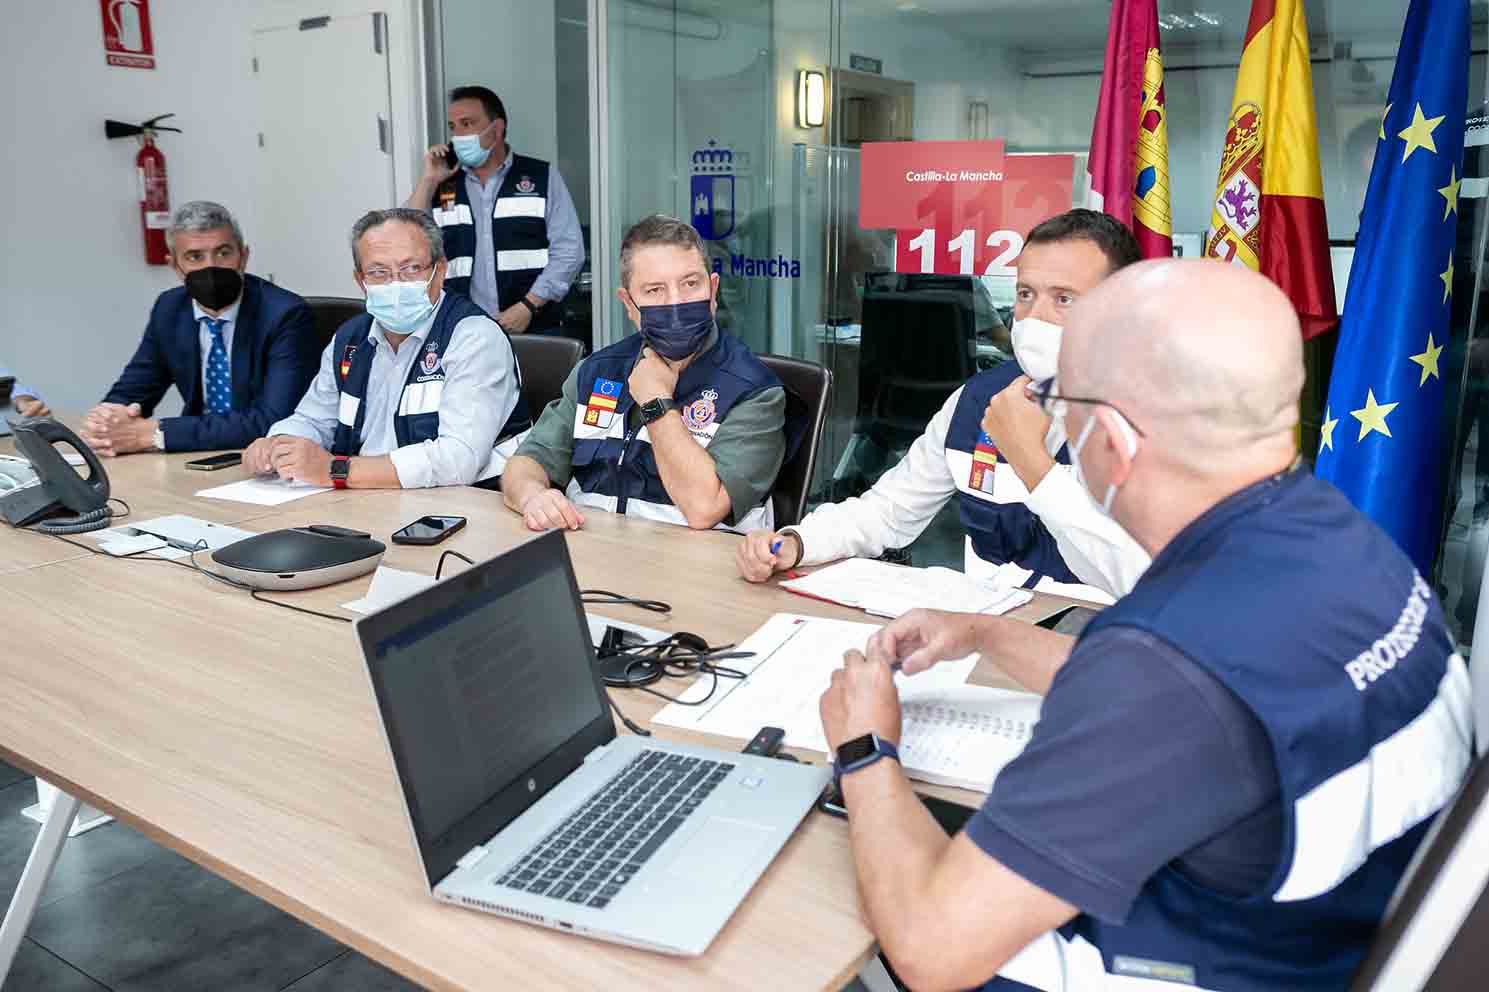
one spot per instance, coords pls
(1223, 789)
(239, 350)
(511, 234)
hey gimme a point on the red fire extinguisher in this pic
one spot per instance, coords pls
(155, 191)
(155, 200)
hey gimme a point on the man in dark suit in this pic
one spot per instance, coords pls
(240, 350)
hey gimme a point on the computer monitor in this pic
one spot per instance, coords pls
(1436, 931)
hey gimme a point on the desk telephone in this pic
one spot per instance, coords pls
(44, 491)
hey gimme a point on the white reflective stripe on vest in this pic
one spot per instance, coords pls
(516, 261)
(612, 425)
(1007, 486)
(520, 206)
(460, 268)
(1404, 779)
(500, 455)
(1053, 964)
(760, 518)
(458, 214)
(421, 397)
(346, 409)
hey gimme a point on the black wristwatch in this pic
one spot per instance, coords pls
(528, 303)
(653, 410)
(861, 752)
(340, 467)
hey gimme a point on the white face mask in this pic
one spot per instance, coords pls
(1075, 458)
(1036, 345)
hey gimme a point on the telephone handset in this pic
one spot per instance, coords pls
(59, 487)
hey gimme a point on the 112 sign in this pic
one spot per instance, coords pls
(967, 254)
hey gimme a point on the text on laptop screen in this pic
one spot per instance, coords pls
(475, 695)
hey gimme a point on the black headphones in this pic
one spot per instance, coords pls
(632, 666)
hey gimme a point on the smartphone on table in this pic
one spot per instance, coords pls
(214, 462)
(428, 530)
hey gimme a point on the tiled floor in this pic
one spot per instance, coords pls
(123, 913)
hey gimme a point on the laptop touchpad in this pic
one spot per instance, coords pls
(721, 850)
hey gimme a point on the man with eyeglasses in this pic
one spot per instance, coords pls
(1234, 764)
(239, 350)
(421, 390)
(1027, 522)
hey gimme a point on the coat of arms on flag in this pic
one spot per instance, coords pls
(603, 397)
(1238, 200)
(984, 460)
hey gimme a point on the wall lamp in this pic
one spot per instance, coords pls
(811, 98)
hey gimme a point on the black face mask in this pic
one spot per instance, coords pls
(214, 287)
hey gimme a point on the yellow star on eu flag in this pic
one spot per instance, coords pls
(1326, 432)
(1373, 416)
(1419, 133)
(1428, 361)
(1447, 280)
(1450, 192)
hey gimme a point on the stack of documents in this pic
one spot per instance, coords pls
(953, 733)
(886, 590)
(263, 491)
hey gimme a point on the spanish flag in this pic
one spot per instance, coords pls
(1268, 212)
(1128, 163)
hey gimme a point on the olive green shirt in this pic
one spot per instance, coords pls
(747, 450)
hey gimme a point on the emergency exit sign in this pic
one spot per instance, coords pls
(863, 63)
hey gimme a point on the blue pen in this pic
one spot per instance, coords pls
(775, 547)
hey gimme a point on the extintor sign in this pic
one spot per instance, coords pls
(127, 40)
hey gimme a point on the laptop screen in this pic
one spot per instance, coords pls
(488, 694)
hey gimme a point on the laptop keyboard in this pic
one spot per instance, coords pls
(590, 856)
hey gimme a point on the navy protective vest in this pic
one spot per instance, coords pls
(1000, 531)
(1318, 622)
(614, 468)
(417, 418)
(519, 234)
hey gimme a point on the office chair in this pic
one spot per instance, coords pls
(545, 362)
(328, 313)
(810, 384)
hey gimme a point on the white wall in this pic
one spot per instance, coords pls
(508, 46)
(72, 270)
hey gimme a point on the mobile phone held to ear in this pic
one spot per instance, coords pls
(450, 160)
(215, 462)
(428, 530)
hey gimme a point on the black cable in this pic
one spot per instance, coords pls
(254, 592)
(440, 565)
(631, 725)
(127, 509)
(604, 597)
(675, 661)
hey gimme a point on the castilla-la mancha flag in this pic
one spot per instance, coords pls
(1129, 138)
(1268, 212)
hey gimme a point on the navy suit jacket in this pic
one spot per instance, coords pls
(276, 353)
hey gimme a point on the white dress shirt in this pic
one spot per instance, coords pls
(479, 394)
(903, 502)
(229, 317)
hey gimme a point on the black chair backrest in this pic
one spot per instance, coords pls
(1436, 932)
(810, 384)
(545, 362)
(330, 312)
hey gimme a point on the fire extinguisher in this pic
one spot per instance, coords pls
(154, 189)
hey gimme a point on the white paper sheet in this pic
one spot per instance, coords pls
(389, 585)
(887, 590)
(795, 657)
(263, 492)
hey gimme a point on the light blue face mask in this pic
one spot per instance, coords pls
(400, 306)
(469, 151)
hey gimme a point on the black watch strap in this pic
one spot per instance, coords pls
(653, 410)
(528, 303)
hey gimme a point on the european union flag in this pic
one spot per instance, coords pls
(1382, 434)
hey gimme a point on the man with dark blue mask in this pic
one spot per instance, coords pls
(680, 423)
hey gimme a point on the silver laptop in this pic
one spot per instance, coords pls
(521, 799)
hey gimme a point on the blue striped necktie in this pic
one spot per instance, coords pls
(219, 383)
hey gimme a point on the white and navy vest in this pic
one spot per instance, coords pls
(614, 468)
(1318, 622)
(417, 418)
(1005, 539)
(519, 233)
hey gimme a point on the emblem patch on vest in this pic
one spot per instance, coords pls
(1159, 971)
(346, 360)
(447, 197)
(700, 413)
(526, 185)
(984, 460)
(430, 362)
(603, 397)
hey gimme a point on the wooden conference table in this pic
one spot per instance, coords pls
(245, 737)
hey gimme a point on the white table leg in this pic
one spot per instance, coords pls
(34, 879)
